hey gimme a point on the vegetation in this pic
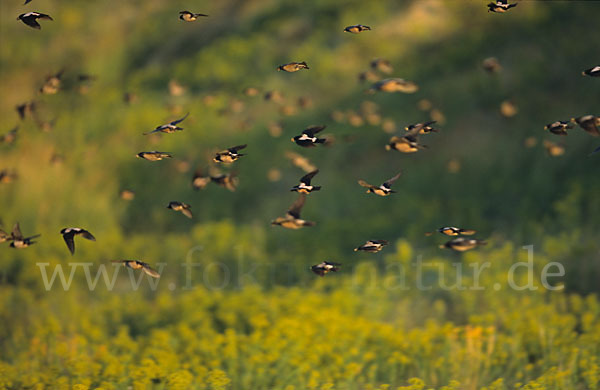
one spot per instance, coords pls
(236, 306)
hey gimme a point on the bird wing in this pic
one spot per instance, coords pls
(87, 235)
(334, 264)
(187, 212)
(159, 128)
(312, 130)
(236, 148)
(415, 130)
(595, 150)
(31, 22)
(68, 237)
(365, 184)
(44, 16)
(389, 182)
(296, 207)
(307, 178)
(16, 232)
(179, 120)
(200, 15)
(149, 270)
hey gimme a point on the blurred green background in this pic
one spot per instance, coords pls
(75, 157)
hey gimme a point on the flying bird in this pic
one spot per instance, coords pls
(424, 128)
(185, 208)
(491, 64)
(26, 108)
(136, 264)
(553, 149)
(293, 67)
(383, 190)
(30, 19)
(372, 246)
(10, 136)
(308, 139)
(304, 187)
(228, 181)
(188, 16)
(593, 72)
(200, 180)
(325, 267)
(52, 83)
(382, 65)
(154, 155)
(292, 219)
(230, 155)
(5, 236)
(357, 28)
(20, 242)
(453, 231)
(462, 244)
(558, 127)
(170, 127)
(589, 123)
(500, 6)
(409, 142)
(27, 2)
(69, 237)
(394, 85)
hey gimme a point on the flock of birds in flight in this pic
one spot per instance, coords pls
(406, 143)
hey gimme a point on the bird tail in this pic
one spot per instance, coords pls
(316, 188)
(467, 232)
(305, 64)
(321, 140)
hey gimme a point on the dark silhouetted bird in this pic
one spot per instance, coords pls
(594, 72)
(136, 264)
(308, 139)
(462, 244)
(20, 242)
(27, 108)
(185, 208)
(230, 155)
(30, 19)
(170, 127)
(500, 6)
(304, 187)
(325, 267)
(69, 236)
(27, 2)
(189, 16)
(453, 231)
(372, 246)
(292, 219)
(589, 123)
(154, 155)
(293, 67)
(384, 189)
(558, 127)
(357, 28)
